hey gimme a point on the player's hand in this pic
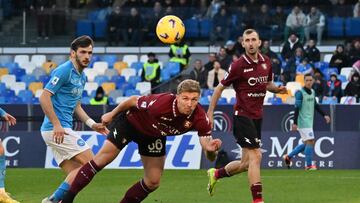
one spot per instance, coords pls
(100, 128)
(10, 119)
(327, 118)
(282, 90)
(294, 127)
(59, 133)
(214, 145)
(107, 118)
(210, 115)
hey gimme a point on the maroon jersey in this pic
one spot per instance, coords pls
(249, 80)
(157, 115)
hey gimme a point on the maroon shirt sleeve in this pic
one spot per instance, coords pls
(202, 123)
(234, 74)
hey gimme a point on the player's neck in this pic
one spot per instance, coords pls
(76, 65)
(253, 57)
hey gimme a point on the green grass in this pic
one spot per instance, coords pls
(189, 186)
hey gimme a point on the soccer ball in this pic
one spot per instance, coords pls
(170, 29)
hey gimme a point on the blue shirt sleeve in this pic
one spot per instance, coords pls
(58, 78)
(2, 112)
(298, 99)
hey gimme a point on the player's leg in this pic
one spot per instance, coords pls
(307, 135)
(4, 197)
(287, 157)
(153, 168)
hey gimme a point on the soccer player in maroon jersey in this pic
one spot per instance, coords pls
(147, 120)
(250, 76)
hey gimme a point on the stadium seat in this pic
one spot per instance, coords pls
(8, 93)
(352, 27)
(118, 80)
(290, 100)
(6, 59)
(90, 86)
(111, 59)
(205, 28)
(14, 100)
(93, 15)
(27, 79)
(8, 80)
(143, 58)
(110, 73)
(11, 66)
(84, 27)
(327, 58)
(121, 99)
(90, 74)
(2, 87)
(2, 100)
(283, 97)
(174, 68)
(329, 100)
(59, 59)
(4, 71)
(222, 101)
(129, 59)
(207, 93)
(228, 94)
(100, 79)
(348, 100)
(293, 87)
(35, 100)
(342, 78)
(38, 93)
(100, 67)
(346, 71)
(20, 59)
(100, 29)
(34, 86)
(192, 28)
(133, 80)
(37, 72)
(335, 26)
(17, 87)
(267, 96)
(44, 79)
(108, 86)
(275, 101)
(300, 79)
(38, 60)
(26, 96)
(137, 66)
(94, 59)
(115, 94)
(204, 101)
(232, 101)
(344, 84)
(128, 72)
(29, 67)
(120, 65)
(85, 100)
(165, 74)
(19, 73)
(144, 88)
(49, 66)
(131, 92)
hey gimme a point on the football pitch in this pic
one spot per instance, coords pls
(189, 186)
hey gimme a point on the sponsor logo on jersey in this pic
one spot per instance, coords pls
(258, 80)
(248, 70)
(256, 94)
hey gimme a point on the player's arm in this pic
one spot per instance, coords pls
(9, 118)
(276, 89)
(214, 99)
(298, 103)
(210, 146)
(84, 117)
(123, 106)
(321, 112)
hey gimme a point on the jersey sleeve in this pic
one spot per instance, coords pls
(202, 125)
(58, 78)
(298, 99)
(147, 102)
(231, 76)
(2, 112)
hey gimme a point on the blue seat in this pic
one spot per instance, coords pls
(85, 94)
(127, 86)
(165, 74)
(2, 87)
(2, 100)
(35, 100)
(8, 93)
(100, 28)
(111, 101)
(329, 100)
(84, 27)
(94, 59)
(352, 27)
(133, 80)
(207, 92)
(205, 27)
(110, 59)
(11, 66)
(204, 101)
(118, 80)
(19, 73)
(44, 79)
(26, 96)
(131, 92)
(28, 79)
(85, 100)
(275, 101)
(192, 28)
(174, 68)
(233, 100)
(222, 101)
(342, 78)
(100, 79)
(137, 66)
(335, 26)
(93, 16)
(14, 100)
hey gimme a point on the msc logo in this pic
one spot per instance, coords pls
(253, 81)
(222, 122)
(287, 121)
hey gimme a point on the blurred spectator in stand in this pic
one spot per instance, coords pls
(180, 53)
(43, 9)
(292, 63)
(221, 26)
(278, 19)
(151, 70)
(116, 26)
(263, 22)
(333, 87)
(168, 3)
(104, 3)
(210, 64)
(354, 54)
(319, 85)
(131, 4)
(214, 7)
(357, 9)
(184, 10)
(100, 97)
(339, 59)
(199, 74)
(347, 47)
(132, 36)
(290, 46)
(341, 9)
(169, 11)
(224, 59)
(202, 8)
(230, 47)
(295, 23)
(239, 49)
(275, 61)
(304, 67)
(314, 24)
(353, 87)
(215, 75)
(152, 20)
(312, 52)
(244, 20)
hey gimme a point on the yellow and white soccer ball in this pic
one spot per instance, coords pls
(170, 29)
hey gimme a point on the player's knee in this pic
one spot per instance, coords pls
(153, 183)
(2, 151)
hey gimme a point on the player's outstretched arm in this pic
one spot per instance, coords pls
(210, 146)
(9, 118)
(276, 89)
(84, 117)
(123, 106)
(214, 99)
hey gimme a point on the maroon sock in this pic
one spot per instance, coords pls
(84, 176)
(221, 173)
(256, 190)
(138, 192)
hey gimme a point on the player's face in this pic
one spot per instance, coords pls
(83, 56)
(309, 81)
(251, 43)
(187, 102)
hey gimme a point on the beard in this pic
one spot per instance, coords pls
(81, 64)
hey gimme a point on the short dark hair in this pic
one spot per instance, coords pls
(249, 31)
(308, 74)
(82, 41)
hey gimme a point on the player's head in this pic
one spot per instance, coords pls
(188, 95)
(309, 80)
(81, 50)
(251, 41)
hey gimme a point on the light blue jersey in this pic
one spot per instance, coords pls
(66, 85)
(2, 112)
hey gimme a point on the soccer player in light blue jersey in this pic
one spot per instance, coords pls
(305, 105)
(4, 197)
(60, 100)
